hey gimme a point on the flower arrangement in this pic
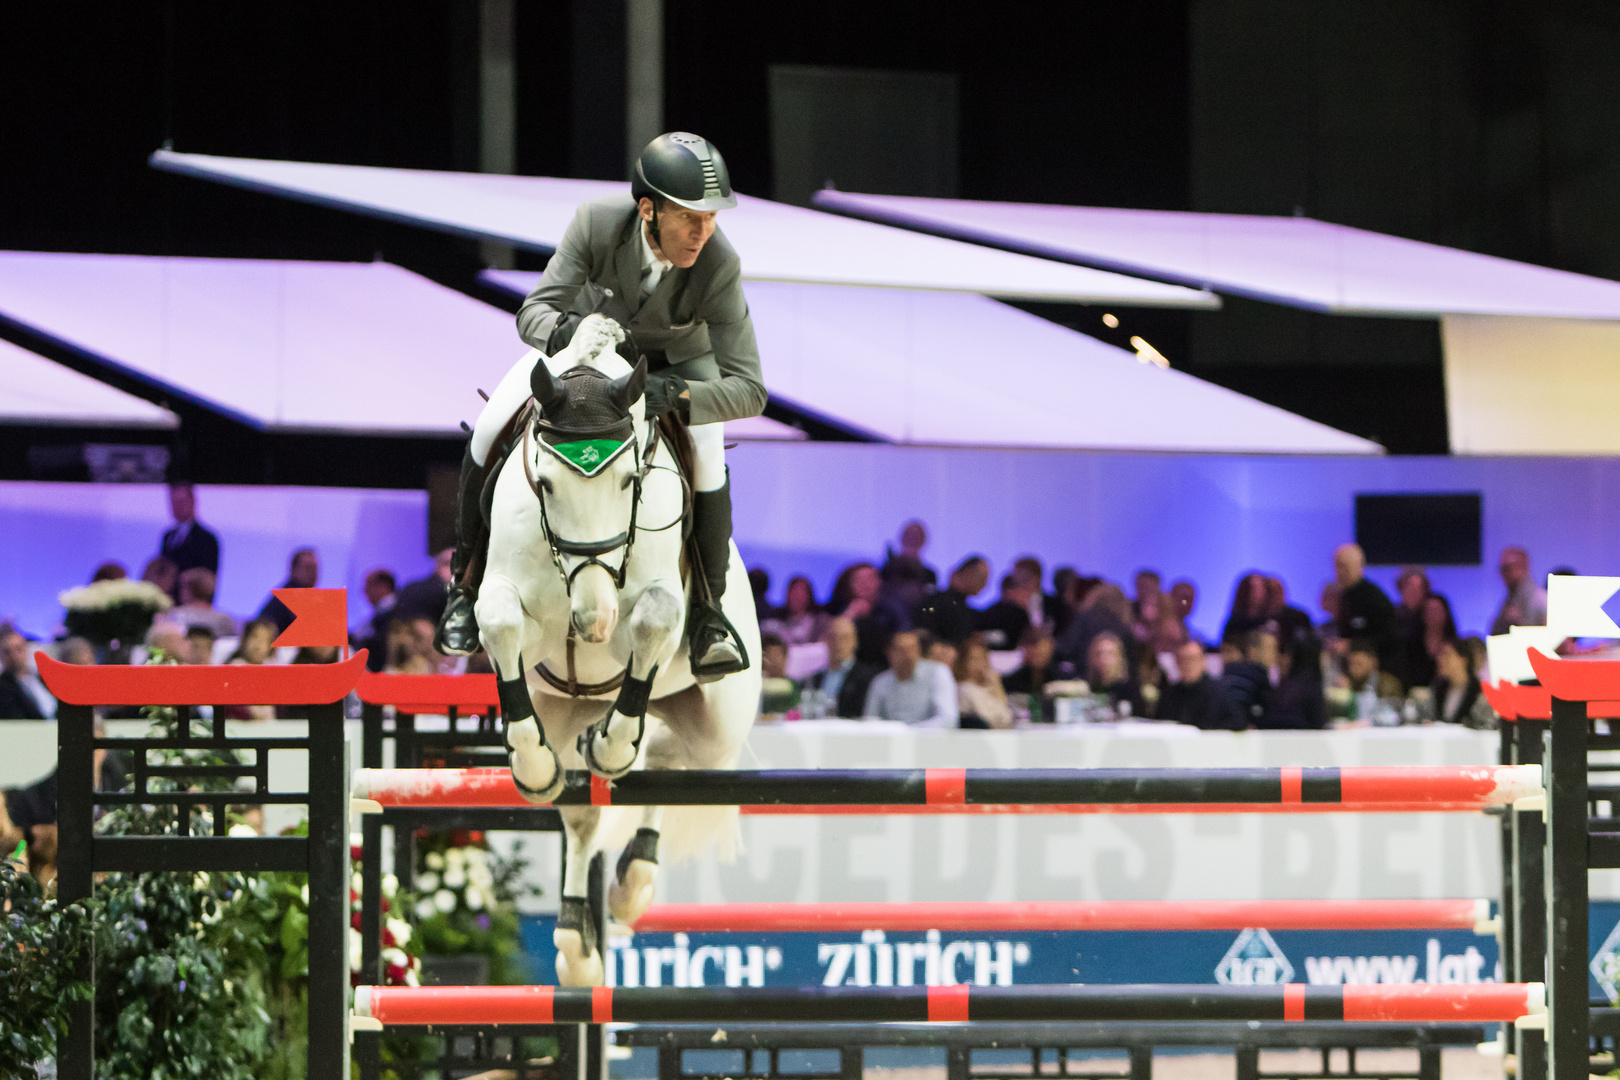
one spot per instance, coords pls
(402, 964)
(465, 902)
(118, 610)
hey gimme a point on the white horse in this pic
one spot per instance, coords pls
(583, 589)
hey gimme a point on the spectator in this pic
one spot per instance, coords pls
(907, 566)
(1456, 693)
(1183, 598)
(1040, 667)
(109, 571)
(1247, 678)
(1063, 586)
(1149, 602)
(913, 690)
(199, 644)
(1195, 698)
(169, 639)
(76, 650)
(947, 614)
(1045, 609)
(257, 643)
(188, 544)
(779, 694)
(1297, 701)
(1292, 623)
(759, 581)
(197, 604)
(858, 595)
(1003, 623)
(980, 700)
(1365, 613)
(1525, 604)
(1249, 610)
(1364, 676)
(843, 683)
(163, 573)
(424, 599)
(22, 695)
(1409, 662)
(1436, 626)
(1104, 610)
(800, 619)
(1108, 672)
(1328, 629)
(941, 652)
(302, 573)
(372, 635)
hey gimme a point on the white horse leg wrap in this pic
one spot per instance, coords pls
(709, 442)
(510, 394)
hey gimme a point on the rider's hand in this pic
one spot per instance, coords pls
(667, 391)
(562, 333)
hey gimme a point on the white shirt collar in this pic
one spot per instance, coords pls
(650, 259)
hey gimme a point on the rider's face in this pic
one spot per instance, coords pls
(681, 232)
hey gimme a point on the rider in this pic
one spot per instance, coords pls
(654, 262)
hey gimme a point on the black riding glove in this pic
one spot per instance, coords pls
(563, 332)
(666, 392)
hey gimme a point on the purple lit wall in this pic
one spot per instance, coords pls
(814, 508)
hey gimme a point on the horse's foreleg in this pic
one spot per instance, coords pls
(579, 954)
(634, 879)
(535, 768)
(610, 746)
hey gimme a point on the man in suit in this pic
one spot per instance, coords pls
(654, 262)
(189, 544)
(844, 681)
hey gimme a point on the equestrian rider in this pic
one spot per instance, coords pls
(654, 262)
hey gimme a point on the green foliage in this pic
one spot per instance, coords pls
(40, 944)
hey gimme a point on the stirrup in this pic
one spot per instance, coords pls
(709, 617)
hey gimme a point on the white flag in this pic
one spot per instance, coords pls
(1575, 606)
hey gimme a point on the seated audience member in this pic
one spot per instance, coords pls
(1149, 602)
(22, 695)
(1183, 598)
(255, 647)
(800, 619)
(1061, 609)
(946, 613)
(109, 571)
(1040, 667)
(1104, 610)
(196, 607)
(162, 573)
(1045, 609)
(1248, 610)
(1363, 672)
(1247, 676)
(913, 690)
(425, 597)
(940, 652)
(842, 684)
(1003, 623)
(1195, 698)
(1292, 623)
(1108, 671)
(1456, 692)
(303, 572)
(169, 639)
(778, 693)
(76, 650)
(980, 700)
(1436, 627)
(1408, 661)
(858, 596)
(1297, 700)
(199, 644)
(382, 593)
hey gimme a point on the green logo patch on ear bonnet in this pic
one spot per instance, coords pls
(588, 456)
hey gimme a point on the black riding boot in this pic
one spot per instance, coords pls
(458, 629)
(716, 648)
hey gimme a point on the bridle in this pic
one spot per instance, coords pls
(590, 552)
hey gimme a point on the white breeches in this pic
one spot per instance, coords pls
(512, 391)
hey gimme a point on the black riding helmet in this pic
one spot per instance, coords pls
(686, 169)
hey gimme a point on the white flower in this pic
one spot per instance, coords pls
(455, 857)
(411, 977)
(474, 897)
(395, 956)
(103, 595)
(356, 882)
(434, 861)
(455, 877)
(390, 886)
(304, 895)
(401, 931)
(356, 947)
(445, 901)
(477, 857)
(425, 909)
(242, 828)
(200, 883)
(427, 882)
(480, 876)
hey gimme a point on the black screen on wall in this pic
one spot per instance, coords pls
(1429, 530)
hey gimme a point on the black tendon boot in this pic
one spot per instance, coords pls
(717, 650)
(458, 628)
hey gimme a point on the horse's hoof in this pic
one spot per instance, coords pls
(548, 790)
(587, 750)
(631, 894)
(575, 966)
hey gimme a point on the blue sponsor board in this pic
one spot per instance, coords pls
(875, 958)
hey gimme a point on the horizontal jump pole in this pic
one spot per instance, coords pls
(1074, 915)
(384, 1006)
(1160, 790)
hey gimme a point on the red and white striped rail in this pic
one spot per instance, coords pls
(378, 1006)
(1381, 789)
(1075, 915)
